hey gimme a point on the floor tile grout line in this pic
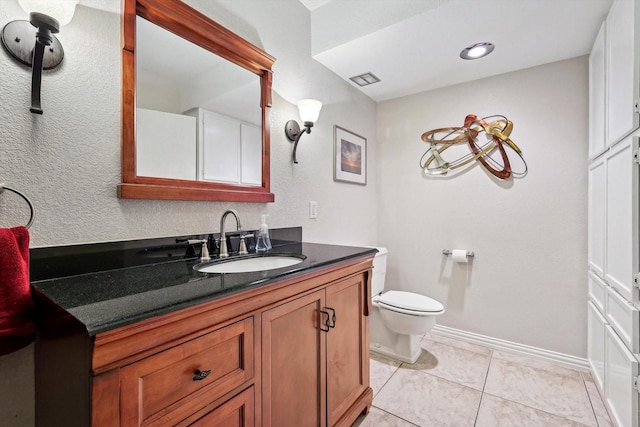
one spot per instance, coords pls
(548, 371)
(395, 415)
(537, 409)
(486, 377)
(531, 407)
(475, 421)
(484, 385)
(595, 416)
(584, 383)
(417, 371)
(388, 379)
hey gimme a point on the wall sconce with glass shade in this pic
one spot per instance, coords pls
(32, 42)
(309, 110)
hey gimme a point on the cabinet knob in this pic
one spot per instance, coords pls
(200, 375)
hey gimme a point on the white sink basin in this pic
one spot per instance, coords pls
(247, 265)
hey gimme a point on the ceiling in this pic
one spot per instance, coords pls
(414, 45)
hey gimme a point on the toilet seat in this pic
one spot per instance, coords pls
(409, 303)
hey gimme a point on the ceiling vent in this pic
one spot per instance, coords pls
(364, 79)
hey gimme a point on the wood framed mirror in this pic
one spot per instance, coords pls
(188, 24)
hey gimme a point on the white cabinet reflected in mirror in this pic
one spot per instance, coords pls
(198, 116)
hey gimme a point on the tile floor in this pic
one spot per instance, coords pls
(458, 384)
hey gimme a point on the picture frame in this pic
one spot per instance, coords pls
(350, 156)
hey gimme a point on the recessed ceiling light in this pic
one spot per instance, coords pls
(477, 50)
(364, 79)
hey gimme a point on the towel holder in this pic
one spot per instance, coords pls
(26, 199)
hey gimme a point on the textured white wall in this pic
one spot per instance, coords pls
(67, 161)
(527, 282)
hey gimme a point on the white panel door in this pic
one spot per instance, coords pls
(621, 255)
(622, 69)
(597, 100)
(597, 203)
(621, 367)
(251, 148)
(597, 291)
(165, 145)
(220, 148)
(596, 339)
(623, 317)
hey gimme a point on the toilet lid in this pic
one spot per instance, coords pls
(410, 301)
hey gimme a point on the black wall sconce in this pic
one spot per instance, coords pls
(309, 111)
(18, 38)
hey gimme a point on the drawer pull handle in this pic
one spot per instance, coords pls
(200, 375)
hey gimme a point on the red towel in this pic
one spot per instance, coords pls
(17, 326)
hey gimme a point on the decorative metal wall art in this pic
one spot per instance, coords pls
(486, 137)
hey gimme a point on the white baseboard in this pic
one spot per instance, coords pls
(522, 349)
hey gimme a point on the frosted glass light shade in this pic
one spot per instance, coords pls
(309, 110)
(61, 10)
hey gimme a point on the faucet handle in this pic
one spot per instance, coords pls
(204, 252)
(243, 246)
(214, 247)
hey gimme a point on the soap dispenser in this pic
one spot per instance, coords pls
(263, 242)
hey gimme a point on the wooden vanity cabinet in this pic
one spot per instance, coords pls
(269, 356)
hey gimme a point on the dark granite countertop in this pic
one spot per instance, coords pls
(109, 299)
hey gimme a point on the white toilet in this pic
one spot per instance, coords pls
(399, 319)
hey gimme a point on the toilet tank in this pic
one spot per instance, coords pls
(379, 271)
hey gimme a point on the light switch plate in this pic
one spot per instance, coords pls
(313, 209)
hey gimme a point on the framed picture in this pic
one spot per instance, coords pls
(350, 157)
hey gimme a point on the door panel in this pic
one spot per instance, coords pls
(621, 255)
(620, 370)
(347, 348)
(294, 363)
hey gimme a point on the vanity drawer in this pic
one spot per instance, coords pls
(623, 317)
(597, 291)
(169, 386)
(239, 411)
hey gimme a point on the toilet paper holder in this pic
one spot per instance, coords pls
(449, 252)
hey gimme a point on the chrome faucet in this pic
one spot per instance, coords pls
(223, 236)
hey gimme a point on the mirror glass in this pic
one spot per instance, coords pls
(198, 115)
(195, 107)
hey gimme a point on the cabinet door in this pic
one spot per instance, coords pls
(597, 100)
(621, 367)
(621, 257)
(219, 149)
(597, 203)
(347, 347)
(251, 157)
(596, 339)
(624, 318)
(294, 363)
(622, 69)
(165, 145)
(597, 291)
